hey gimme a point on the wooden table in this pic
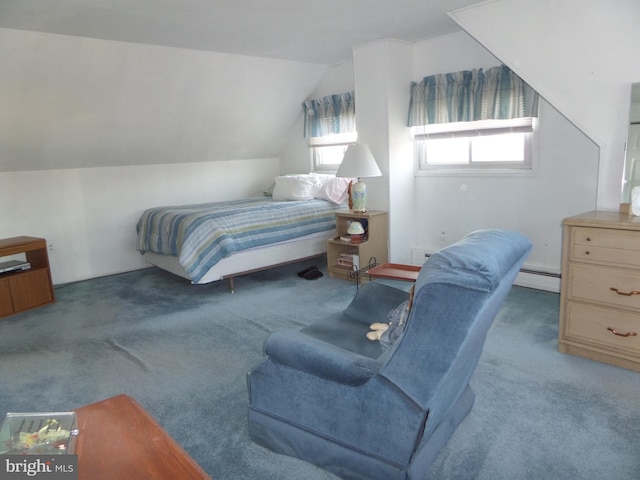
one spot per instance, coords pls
(119, 439)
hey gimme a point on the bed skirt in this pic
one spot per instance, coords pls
(254, 259)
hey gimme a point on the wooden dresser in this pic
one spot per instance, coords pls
(600, 290)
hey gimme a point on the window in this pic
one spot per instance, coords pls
(486, 146)
(330, 126)
(473, 121)
(327, 151)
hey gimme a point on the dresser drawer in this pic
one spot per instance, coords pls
(594, 284)
(591, 324)
(599, 245)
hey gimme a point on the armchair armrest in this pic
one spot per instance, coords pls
(322, 359)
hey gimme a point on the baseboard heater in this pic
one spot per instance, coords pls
(538, 279)
(540, 272)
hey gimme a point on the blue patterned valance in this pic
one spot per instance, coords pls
(471, 95)
(329, 115)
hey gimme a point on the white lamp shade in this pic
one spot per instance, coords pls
(358, 162)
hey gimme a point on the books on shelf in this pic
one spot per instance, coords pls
(349, 260)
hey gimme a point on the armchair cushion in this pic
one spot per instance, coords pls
(348, 329)
(319, 358)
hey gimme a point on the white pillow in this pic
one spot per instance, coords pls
(335, 190)
(322, 177)
(296, 187)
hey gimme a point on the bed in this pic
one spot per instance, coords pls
(209, 242)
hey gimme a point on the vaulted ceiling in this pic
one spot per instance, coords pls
(91, 83)
(299, 30)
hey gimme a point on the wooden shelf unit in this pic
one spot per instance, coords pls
(27, 289)
(375, 245)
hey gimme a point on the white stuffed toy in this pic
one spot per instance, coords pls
(377, 330)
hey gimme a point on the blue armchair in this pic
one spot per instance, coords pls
(330, 396)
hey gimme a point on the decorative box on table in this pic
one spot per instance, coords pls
(50, 433)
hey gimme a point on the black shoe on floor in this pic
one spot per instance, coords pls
(307, 271)
(313, 274)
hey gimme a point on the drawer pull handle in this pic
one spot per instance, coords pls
(628, 334)
(588, 239)
(626, 294)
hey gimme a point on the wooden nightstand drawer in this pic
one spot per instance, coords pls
(594, 284)
(592, 324)
(615, 247)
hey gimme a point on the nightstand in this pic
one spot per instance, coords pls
(374, 248)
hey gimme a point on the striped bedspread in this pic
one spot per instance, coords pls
(201, 235)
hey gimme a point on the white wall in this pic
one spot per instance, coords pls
(88, 215)
(383, 72)
(581, 55)
(564, 184)
(72, 102)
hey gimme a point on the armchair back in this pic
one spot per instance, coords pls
(457, 295)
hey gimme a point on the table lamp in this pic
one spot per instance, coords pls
(358, 162)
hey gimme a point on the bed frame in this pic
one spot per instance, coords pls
(253, 260)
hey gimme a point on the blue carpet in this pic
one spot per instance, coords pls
(183, 352)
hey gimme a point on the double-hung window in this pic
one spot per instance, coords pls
(327, 151)
(486, 146)
(330, 126)
(473, 122)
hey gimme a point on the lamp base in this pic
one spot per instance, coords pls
(359, 196)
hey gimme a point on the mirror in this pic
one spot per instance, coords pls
(631, 174)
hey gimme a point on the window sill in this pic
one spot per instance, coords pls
(476, 172)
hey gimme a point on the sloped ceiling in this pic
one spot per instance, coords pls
(306, 31)
(72, 102)
(92, 83)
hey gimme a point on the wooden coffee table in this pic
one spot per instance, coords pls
(119, 439)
